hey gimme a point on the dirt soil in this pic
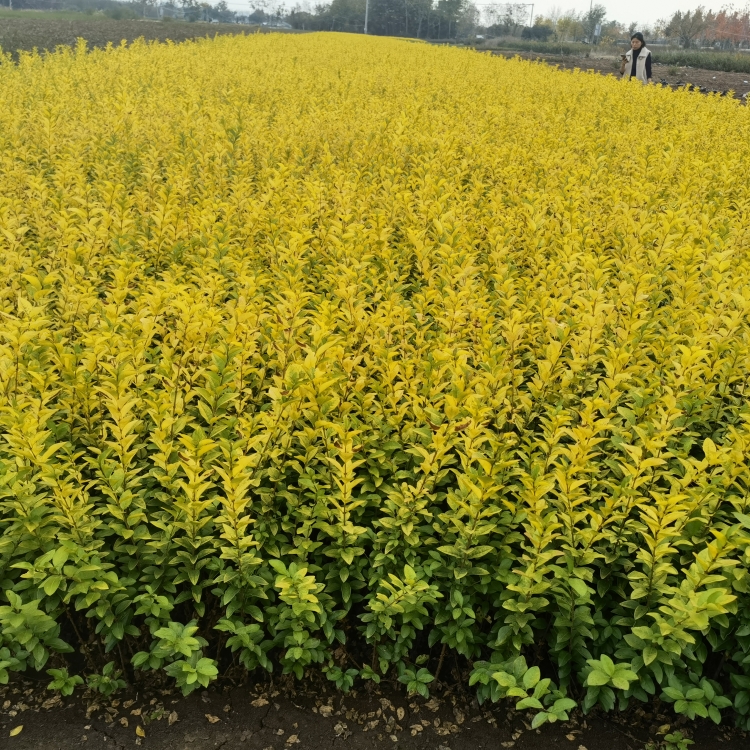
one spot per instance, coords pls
(268, 717)
(46, 34)
(668, 75)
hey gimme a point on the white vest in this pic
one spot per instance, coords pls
(640, 64)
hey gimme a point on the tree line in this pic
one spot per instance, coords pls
(451, 19)
(728, 28)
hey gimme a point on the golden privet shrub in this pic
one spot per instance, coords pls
(325, 339)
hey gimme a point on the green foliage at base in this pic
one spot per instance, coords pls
(358, 371)
(728, 62)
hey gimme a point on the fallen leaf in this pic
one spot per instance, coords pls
(135, 711)
(341, 730)
(17, 730)
(172, 718)
(140, 731)
(259, 702)
(325, 710)
(212, 719)
(507, 744)
(51, 702)
(400, 713)
(433, 704)
(570, 737)
(292, 739)
(124, 721)
(279, 732)
(581, 747)
(128, 704)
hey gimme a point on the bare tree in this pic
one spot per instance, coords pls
(687, 26)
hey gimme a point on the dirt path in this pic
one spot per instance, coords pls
(669, 75)
(263, 718)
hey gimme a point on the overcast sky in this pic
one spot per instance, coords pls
(642, 11)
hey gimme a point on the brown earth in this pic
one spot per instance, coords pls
(47, 34)
(264, 717)
(669, 75)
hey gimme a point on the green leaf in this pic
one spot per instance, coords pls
(60, 557)
(563, 704)
(619, 683)
(597, 677)
(673, 693)
(529, 702)
(504, 679)
(607, 666)
(52, 584)
(531, 677)
(579, 587)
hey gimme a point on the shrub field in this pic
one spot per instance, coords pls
(728, 62)
(533, 45)
(393, 361)
(47, 30)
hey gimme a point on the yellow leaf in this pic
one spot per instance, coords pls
(16, 730)
(140, 731)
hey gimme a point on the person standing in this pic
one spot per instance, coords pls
(636, 62)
